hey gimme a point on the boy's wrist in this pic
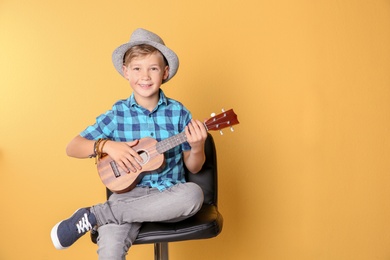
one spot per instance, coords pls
(104, 147)
(98, 148)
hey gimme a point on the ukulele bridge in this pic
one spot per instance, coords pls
(115, 169)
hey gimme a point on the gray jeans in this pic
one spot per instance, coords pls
(120, 218)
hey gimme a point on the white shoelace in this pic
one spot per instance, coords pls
(83, 224)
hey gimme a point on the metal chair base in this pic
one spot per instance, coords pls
(161, 251)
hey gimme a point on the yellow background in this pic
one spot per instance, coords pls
(304, 176)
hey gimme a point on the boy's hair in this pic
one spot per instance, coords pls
(141, 50)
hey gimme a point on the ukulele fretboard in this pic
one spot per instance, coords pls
(170, 142)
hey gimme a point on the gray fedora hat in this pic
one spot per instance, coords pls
(142, 36)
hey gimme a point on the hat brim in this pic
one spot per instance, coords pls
(170, 56)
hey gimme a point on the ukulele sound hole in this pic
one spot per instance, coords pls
(144, 155)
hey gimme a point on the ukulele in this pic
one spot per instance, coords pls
(152, 153)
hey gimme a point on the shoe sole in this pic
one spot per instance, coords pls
(54, 237)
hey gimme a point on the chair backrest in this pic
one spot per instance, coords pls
(207, 178)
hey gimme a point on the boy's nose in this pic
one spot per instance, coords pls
(145, 74)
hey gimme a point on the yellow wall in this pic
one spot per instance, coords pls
(304, 176)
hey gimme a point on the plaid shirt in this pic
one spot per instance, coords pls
(127, 121)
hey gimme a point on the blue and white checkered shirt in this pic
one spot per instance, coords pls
(127, 121)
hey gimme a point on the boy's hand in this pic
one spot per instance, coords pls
(196, 135)
(124, 155)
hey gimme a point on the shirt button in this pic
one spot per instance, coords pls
(151, 134)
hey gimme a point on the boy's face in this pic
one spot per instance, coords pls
(145, 74)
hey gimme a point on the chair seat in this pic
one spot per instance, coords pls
(207, 223)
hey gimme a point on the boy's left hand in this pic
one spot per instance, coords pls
(196, 135)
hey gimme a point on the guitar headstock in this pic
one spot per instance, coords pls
(222, 120)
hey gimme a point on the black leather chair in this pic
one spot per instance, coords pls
(207, 223)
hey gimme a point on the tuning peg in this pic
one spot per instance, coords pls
(212, 114)
(232, 129)
(221, 132)
(223, 110)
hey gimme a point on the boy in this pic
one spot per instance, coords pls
(146, 63)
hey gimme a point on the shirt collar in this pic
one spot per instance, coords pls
(163, 100)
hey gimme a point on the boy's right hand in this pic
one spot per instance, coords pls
(124, 155)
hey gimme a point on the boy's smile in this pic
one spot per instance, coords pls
(145, 75)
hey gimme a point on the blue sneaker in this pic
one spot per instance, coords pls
(66, 232)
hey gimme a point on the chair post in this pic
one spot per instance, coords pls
(161, 251)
